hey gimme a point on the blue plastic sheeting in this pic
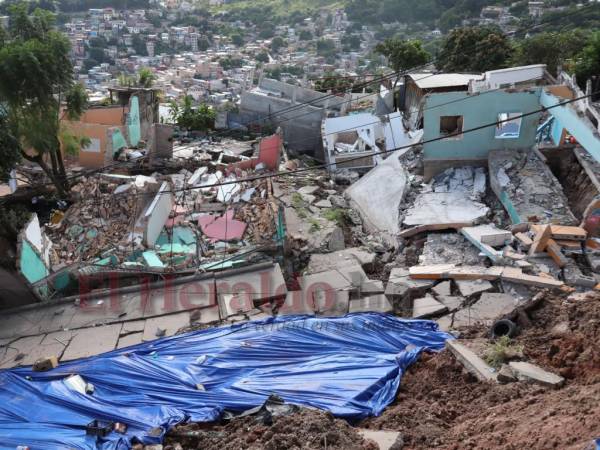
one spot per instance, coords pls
(350, 366)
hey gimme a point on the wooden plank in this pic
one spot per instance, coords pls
(569, 245)
(432, 227)
(555, 253)
(517, 276)
(433, 272)
(592, 243)
(571, 233)
(524, 240)
(541, 239)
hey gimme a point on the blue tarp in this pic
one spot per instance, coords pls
(350, 366)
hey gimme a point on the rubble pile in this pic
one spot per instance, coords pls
(96, 221)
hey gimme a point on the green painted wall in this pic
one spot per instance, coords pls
(477, 110)
(133, 122)
(32, 266)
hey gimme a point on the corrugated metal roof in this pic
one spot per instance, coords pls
(443, 80)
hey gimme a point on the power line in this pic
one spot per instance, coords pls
(304, 104)
(382, 152)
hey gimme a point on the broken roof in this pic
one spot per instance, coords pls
(443, 80)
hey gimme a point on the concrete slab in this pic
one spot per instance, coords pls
(444, 207)
(371, 287)
(332, 279)
(296, 302)
(443, 288)
(92, 341)
(377, 303)
(378, 194)
(170, 324)
(529, 372)
(323, 204)
(384, 439)
(488, 308)
(130, 339)
(451, 302)
(26, 350)
(427, 307)
(308, 190)
(354, 274)
(133, 326)
(477, 234)
(209, 315)
(231, 304)
(263, 283)
(472, 287)
(331, 303)
(473, 363)
(444, 322)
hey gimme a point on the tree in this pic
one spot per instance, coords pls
(277, 43)
(36, 77)
(588, 66)
(186, 116)
(402, 54)
(262, 57)
(552, 49)
(237, 40)
(146, 77)
(474, 49)
(351, 42)
(326, 47)
(305, 35)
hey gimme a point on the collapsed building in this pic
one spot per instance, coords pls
(464, 219)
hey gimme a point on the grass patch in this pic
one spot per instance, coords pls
(314, 225)
(299, 205)
(337, 215)
(502, 351)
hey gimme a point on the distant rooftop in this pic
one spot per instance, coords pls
(443, 80)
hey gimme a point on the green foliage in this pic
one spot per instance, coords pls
(337, 215)
(403, 54)
(589, 63)
(350, 42)
(334, 83)
(237, 40)
(188, 117)
(552, 49)
(77, 101)
(146, 77)
(326, 47)
(139, 45)
(277, 43)
(36, 75)
(262, 57)
(278, 71)
(474, 49)
(305, 35)
(229, 63)
(502, 351)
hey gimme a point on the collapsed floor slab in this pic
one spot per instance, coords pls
(527, 188)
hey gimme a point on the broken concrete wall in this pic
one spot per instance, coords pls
(472, 148)
(577, 117)
(527, 188)
(157, 214)
(377, 196)
(34, 249)
(160, 141)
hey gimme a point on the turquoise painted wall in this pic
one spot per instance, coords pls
(568, 118)
(118, 141)
(556, 131)
(32, 266)
(133, 121)
(477, 110)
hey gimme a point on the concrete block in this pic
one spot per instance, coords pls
(443, 288)
(473, 363)
(296, 302)
(170, 324)
(427, 307)
(451, 302)
(377, 303)
(472, 287)
(371, 287)
(529, 372)
(92, 341)
(488, 308)
(384, 439)
(130, 339)
(331, 303)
